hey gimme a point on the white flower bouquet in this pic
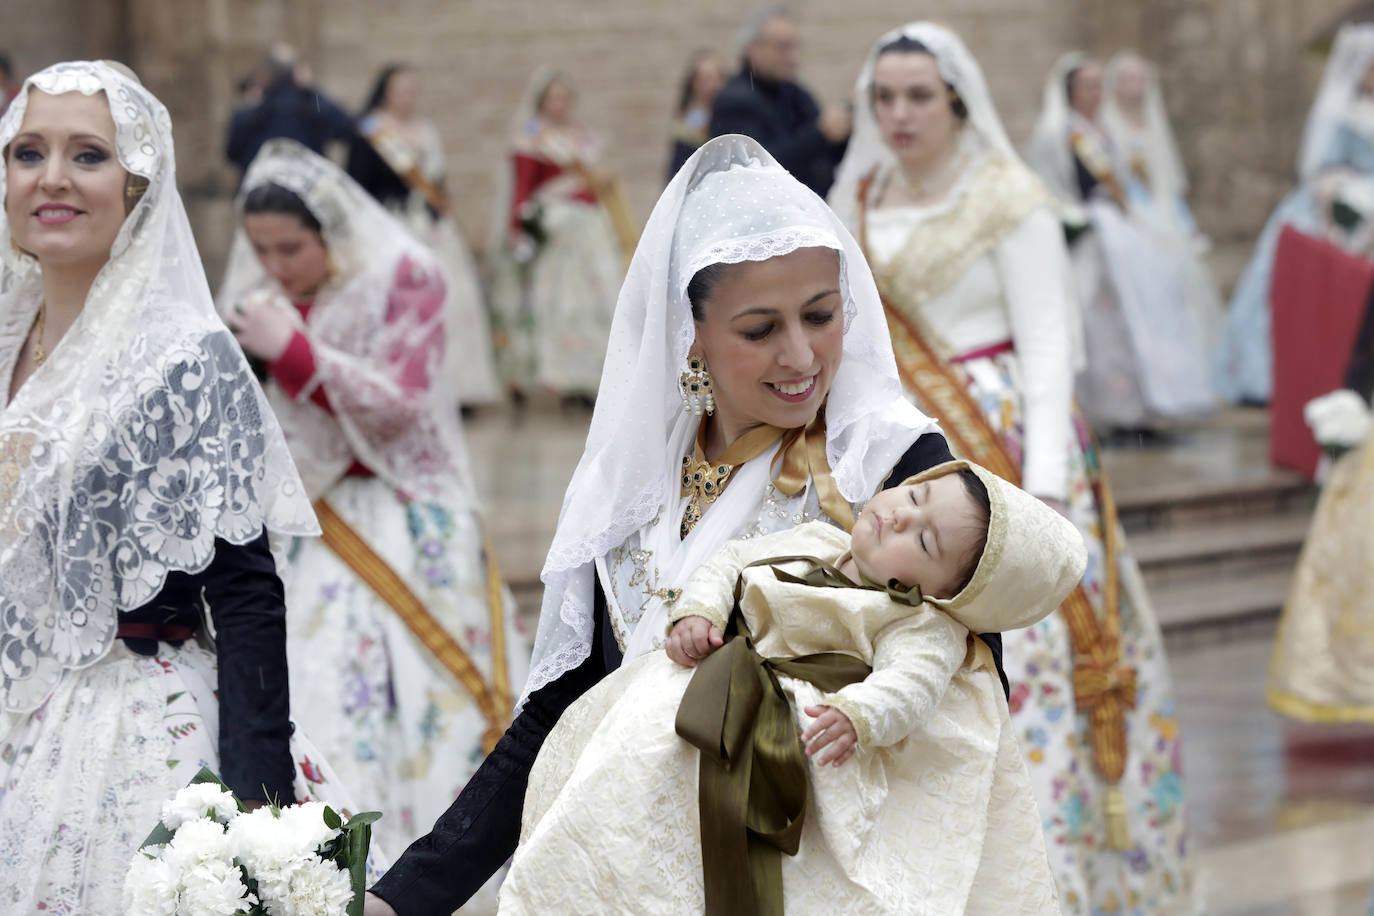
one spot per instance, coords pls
(1339, 421)
(210, 856)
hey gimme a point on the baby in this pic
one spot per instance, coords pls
(929, 534)
(862, 643)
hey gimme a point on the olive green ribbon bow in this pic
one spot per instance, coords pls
(753, 781)
(823, 575)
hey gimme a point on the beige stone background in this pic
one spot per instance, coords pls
(1236, 75)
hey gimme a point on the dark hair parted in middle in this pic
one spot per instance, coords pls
(377, 96)
(904, 44)
(273, 198)
(703, 285)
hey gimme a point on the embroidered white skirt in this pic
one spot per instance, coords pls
(83, 778)
(403, 732)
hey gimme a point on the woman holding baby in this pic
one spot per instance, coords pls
(751, 387)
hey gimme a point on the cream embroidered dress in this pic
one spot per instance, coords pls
(933, 815)
(987, 266)
(1323, 664)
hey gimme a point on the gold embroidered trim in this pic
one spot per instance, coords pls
(940, 250)
(1098, 163)
(16, 450)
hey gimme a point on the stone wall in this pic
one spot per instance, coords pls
(1236, 78)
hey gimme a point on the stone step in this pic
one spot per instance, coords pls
(1220, 600)
(1194, 503)
(1238, 484)
(1210, 541)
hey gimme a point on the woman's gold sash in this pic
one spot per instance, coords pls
(410, 175)
(493, 700)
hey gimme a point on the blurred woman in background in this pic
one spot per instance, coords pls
(398, 158)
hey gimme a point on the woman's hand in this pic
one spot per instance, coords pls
(263, 327)
(693, 638)
(832, 729)
(376, 906)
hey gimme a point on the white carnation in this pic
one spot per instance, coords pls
(150, 888)
(214, 888)
(257, 840)
(1339, 419)
(204, 799)
(306, 826)
(279, 853)
(196, 843)
(310, 887)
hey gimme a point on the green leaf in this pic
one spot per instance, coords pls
(358, 841)
(160, 836)
(332, 819)
(366, 817)
(208, 775)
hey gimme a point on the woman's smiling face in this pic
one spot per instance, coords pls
(64, 185)
(773, 337)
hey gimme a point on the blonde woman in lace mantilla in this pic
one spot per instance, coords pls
(969, 255)
(742, 267)
(143, 482)
(404, 640)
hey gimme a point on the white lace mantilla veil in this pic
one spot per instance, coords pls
(730, 202)
(1049, 153)
(866, 148)
(1167, 176)
(1352, 53)
(364, 345)
(140, 440)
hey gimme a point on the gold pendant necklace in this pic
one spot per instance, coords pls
(703, 481)
(40, 352)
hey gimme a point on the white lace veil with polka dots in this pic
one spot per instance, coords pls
(730, 202)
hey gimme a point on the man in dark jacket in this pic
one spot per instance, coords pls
(763, 101)
(289, 108)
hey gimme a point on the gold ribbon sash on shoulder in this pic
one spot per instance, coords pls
(410, 175)
(1103, 687)
(494, 700)
(610, 192)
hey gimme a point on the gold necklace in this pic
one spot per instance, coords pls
(703, 481)
(40, 352)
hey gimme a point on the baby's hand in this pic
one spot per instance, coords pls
(832, 729)
(693, 638)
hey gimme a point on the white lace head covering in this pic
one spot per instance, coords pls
(958, 68)
(730, 202)
(1351, 56)
(1167, 177)
(1050, 154)
(378, 332)
(141, 439)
